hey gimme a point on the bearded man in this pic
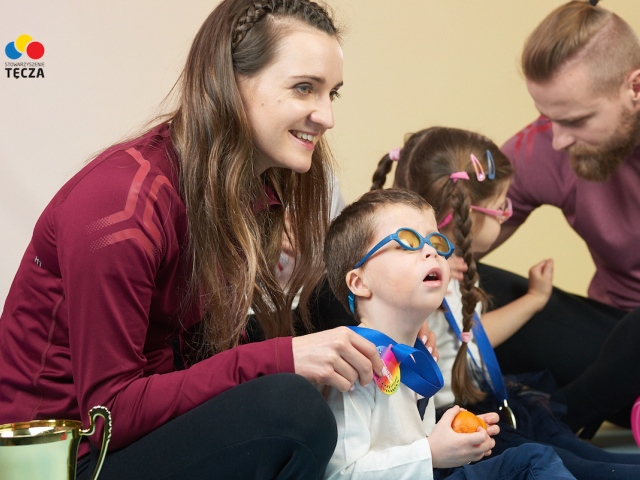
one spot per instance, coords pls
(582, 155)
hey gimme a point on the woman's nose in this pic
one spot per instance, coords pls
(323, 114)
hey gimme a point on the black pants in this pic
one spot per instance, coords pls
(590, 348)
(277, 426)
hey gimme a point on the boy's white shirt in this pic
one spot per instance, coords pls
(448, 342)
(380, 436)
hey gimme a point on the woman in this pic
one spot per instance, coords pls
(167, 240)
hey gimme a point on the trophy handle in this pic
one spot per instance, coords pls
(106, 434)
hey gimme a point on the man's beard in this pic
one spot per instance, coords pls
(599, 163)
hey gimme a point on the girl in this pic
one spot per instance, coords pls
(161, 245)
(466, 177)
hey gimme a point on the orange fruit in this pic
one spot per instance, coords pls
(467, 422)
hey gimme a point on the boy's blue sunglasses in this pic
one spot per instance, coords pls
(409, 240)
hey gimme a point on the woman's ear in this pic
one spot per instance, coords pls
(356, 283)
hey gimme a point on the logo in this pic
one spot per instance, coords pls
(24, 44)
(26, 50)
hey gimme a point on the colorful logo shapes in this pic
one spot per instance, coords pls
(24, 44)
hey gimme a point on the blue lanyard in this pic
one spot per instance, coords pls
(418, 370)
(486, 352)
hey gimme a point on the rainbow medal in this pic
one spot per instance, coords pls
(390, 382)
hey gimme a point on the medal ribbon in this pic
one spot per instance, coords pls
(418, 370)
(487, 354)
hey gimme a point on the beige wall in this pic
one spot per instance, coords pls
(409, 64)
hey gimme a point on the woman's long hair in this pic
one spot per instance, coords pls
(234, 237)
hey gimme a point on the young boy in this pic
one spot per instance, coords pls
(387, 262)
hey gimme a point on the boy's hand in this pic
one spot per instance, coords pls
(491, 419)
(451, 449)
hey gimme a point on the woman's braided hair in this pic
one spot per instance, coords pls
(309, 12)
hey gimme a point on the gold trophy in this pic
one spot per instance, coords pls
(48, 449)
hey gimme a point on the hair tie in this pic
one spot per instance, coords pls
(455, 176)
(465, 337)
(491, 165)
(477, 166)
(394, 154)
(593, 3)
(445, 221)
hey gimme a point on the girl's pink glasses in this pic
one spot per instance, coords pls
(503, 214)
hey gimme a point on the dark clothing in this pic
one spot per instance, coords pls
(527, 462)
(277, 426)
(590, 348)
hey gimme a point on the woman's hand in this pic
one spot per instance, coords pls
(336, 357)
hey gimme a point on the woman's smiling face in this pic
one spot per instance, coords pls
(289, 102)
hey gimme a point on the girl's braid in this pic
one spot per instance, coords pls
(463, 386)
(380, 175)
